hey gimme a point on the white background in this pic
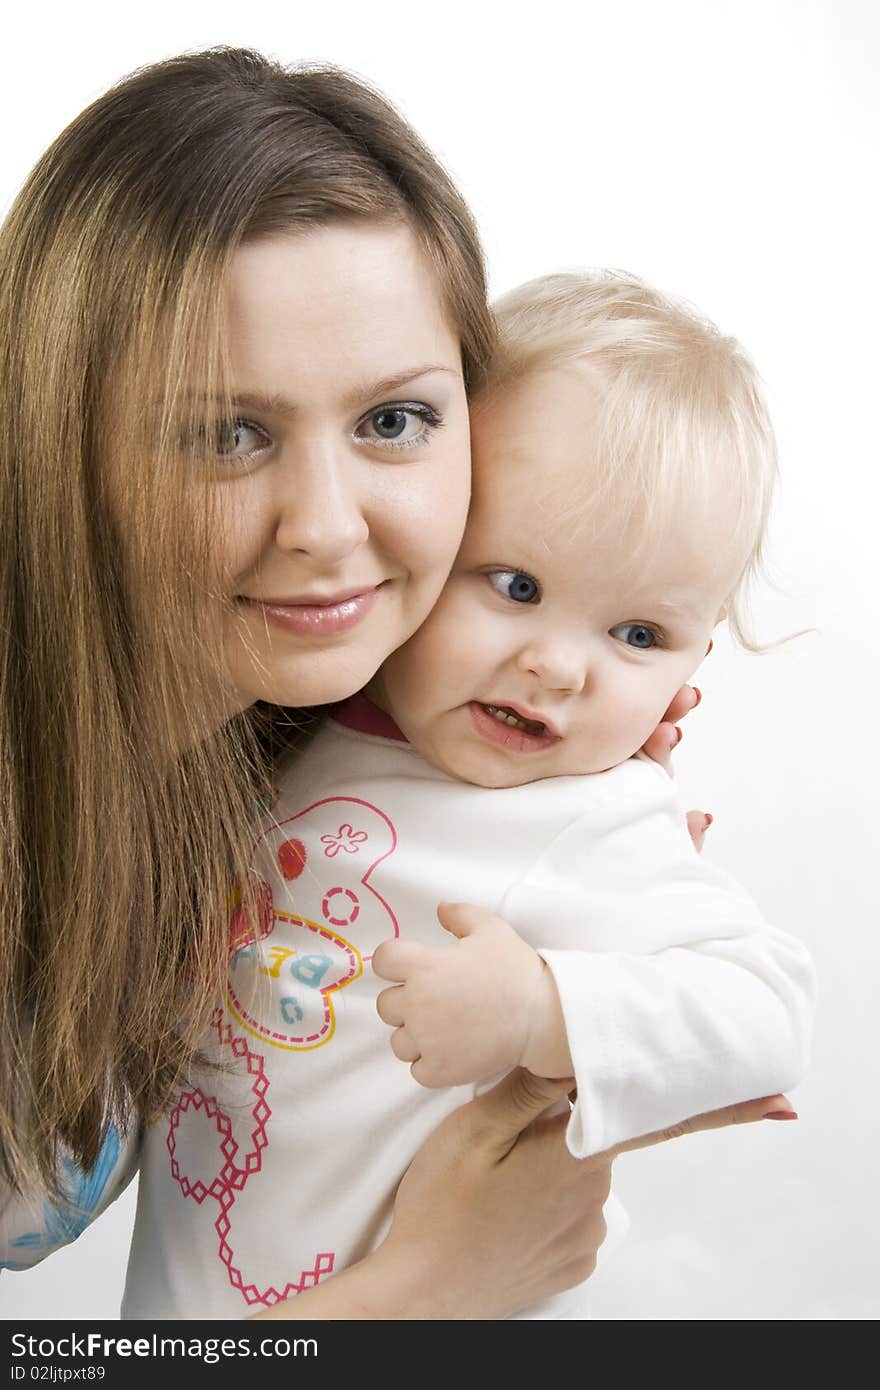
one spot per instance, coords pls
(727, 152)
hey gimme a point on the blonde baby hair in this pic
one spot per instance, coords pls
(682, 419)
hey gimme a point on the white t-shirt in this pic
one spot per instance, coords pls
(678, 998)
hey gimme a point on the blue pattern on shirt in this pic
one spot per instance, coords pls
(63, 1222)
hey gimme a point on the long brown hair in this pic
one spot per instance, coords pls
(116, 850)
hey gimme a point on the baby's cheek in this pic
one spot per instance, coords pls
(637, 715)
(645, 701)
(654, 710)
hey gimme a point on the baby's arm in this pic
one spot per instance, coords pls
(685, 1000)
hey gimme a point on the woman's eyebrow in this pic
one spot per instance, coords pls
(369, 390)
(385, 386)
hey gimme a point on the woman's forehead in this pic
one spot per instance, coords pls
(356, 301)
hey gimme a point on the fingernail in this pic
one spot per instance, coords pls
(707, 820)
(710, 646)
(677, 736)
(780, 1115)
(699, 694)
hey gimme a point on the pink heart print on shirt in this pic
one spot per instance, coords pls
(318, 921)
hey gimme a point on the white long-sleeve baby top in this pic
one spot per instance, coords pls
(281, 1166)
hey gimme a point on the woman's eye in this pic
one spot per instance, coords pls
(238, 439)
(636, 635)
(400, 425)
(515, 585)
(225, 441)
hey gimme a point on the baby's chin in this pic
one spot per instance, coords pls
(496, 774)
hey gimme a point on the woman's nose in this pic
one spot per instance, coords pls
(320, 506)
(557, 665)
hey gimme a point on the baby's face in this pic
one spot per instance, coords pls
(550, 651)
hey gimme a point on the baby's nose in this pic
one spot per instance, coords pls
(557, 665)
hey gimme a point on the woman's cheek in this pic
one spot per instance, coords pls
(449, 495)
(240, 527)
(436, 528)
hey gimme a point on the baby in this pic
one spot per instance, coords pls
(623, 470)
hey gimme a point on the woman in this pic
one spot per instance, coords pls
(241, 310)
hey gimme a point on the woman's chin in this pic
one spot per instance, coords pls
(323, 678)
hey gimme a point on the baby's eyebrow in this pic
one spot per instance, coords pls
(673, 609)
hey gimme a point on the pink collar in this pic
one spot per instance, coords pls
(361, 714)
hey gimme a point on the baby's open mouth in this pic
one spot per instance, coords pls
(504, 715)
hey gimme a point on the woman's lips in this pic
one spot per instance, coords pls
(314, 618)
(505, 736)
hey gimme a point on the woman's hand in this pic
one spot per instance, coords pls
(667, 734)
(665, 738)
(493, 1214)
(698, 823)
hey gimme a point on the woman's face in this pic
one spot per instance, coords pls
(341, 484)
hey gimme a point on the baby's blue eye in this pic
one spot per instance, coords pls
(635, 635)
(514, 584)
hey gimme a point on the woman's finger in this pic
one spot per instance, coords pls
(698, 823)
(768, 1107)
(661, 743)
(499, 1116)
(667, 735)
(686, 699)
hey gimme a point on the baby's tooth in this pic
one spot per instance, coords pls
(503, 717)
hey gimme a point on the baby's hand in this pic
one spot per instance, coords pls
(464, 1012)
